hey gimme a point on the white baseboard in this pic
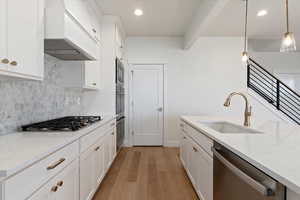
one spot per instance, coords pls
(171, 143)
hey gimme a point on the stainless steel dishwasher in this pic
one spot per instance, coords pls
(236, 179)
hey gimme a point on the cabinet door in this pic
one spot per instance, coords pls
(95, 26)
(92, 73)
(87, 174)
(107, 145)
(3, 41)
(203, 173)
(183, 149)
(63, 186)
(68, 183)
(99, 163)
(22, 36)
(45, 193)
(78, 10)
(113, 145)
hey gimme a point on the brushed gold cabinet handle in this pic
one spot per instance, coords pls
(14, 63)
(97, 148)
(54, 165)
(5, 61)
(60, 183)
(195, 149)
(54, 188)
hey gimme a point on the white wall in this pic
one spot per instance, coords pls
(284, 66)
(199, 79)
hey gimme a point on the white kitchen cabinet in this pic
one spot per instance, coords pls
(113, 146)
(95, 25)
(3, 42)
(107, 150)
(202, 171)
(99, 163)
(63, 186)
(87, 174)
(197, 162)
(184, 149)
(82, 74)
(91, 73)
(79, 11)
(94, 163)
(22, 38)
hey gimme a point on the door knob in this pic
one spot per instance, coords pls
(160, 109)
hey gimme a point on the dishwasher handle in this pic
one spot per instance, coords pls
(243, 176)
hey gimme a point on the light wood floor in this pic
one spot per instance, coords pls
(146, 173)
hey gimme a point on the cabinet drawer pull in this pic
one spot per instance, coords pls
(94, 30)
(54, 188)
(97, 148)
(113, 133)
(14, 63)
(184, 137)
(94, 84)
(5, 61)
(56, 164)
(60, 183)
(195, 149)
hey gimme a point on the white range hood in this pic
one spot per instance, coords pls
(67, 35)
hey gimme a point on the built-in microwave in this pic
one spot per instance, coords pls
(119, 72)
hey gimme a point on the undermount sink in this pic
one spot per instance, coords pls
(229, 128)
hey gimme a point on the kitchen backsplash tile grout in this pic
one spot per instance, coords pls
(27, 101)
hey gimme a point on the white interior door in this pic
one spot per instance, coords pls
(147, 105)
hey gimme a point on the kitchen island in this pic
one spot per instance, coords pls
(273, 150)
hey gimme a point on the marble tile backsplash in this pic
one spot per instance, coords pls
(25, 101)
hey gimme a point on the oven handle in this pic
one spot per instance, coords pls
(247, 179)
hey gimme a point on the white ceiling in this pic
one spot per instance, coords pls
(161, 17)
(229, 22)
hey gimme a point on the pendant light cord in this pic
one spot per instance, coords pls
(287, 14)
(246, 25)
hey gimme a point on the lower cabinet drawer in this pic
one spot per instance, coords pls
(23, 184)
(205, 142)
(64, 186)
(92, 137)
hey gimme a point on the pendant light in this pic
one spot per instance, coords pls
(288, 43)
(245, 55)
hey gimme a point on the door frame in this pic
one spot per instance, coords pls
(130, 99)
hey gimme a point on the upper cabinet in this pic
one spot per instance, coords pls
(95, 25)
(69, 30)
(21, 38)
(82, 74)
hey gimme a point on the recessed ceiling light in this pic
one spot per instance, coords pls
(138, 12)
(262, 13)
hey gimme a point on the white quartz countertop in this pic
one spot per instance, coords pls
(276, 151)
(20, 150)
